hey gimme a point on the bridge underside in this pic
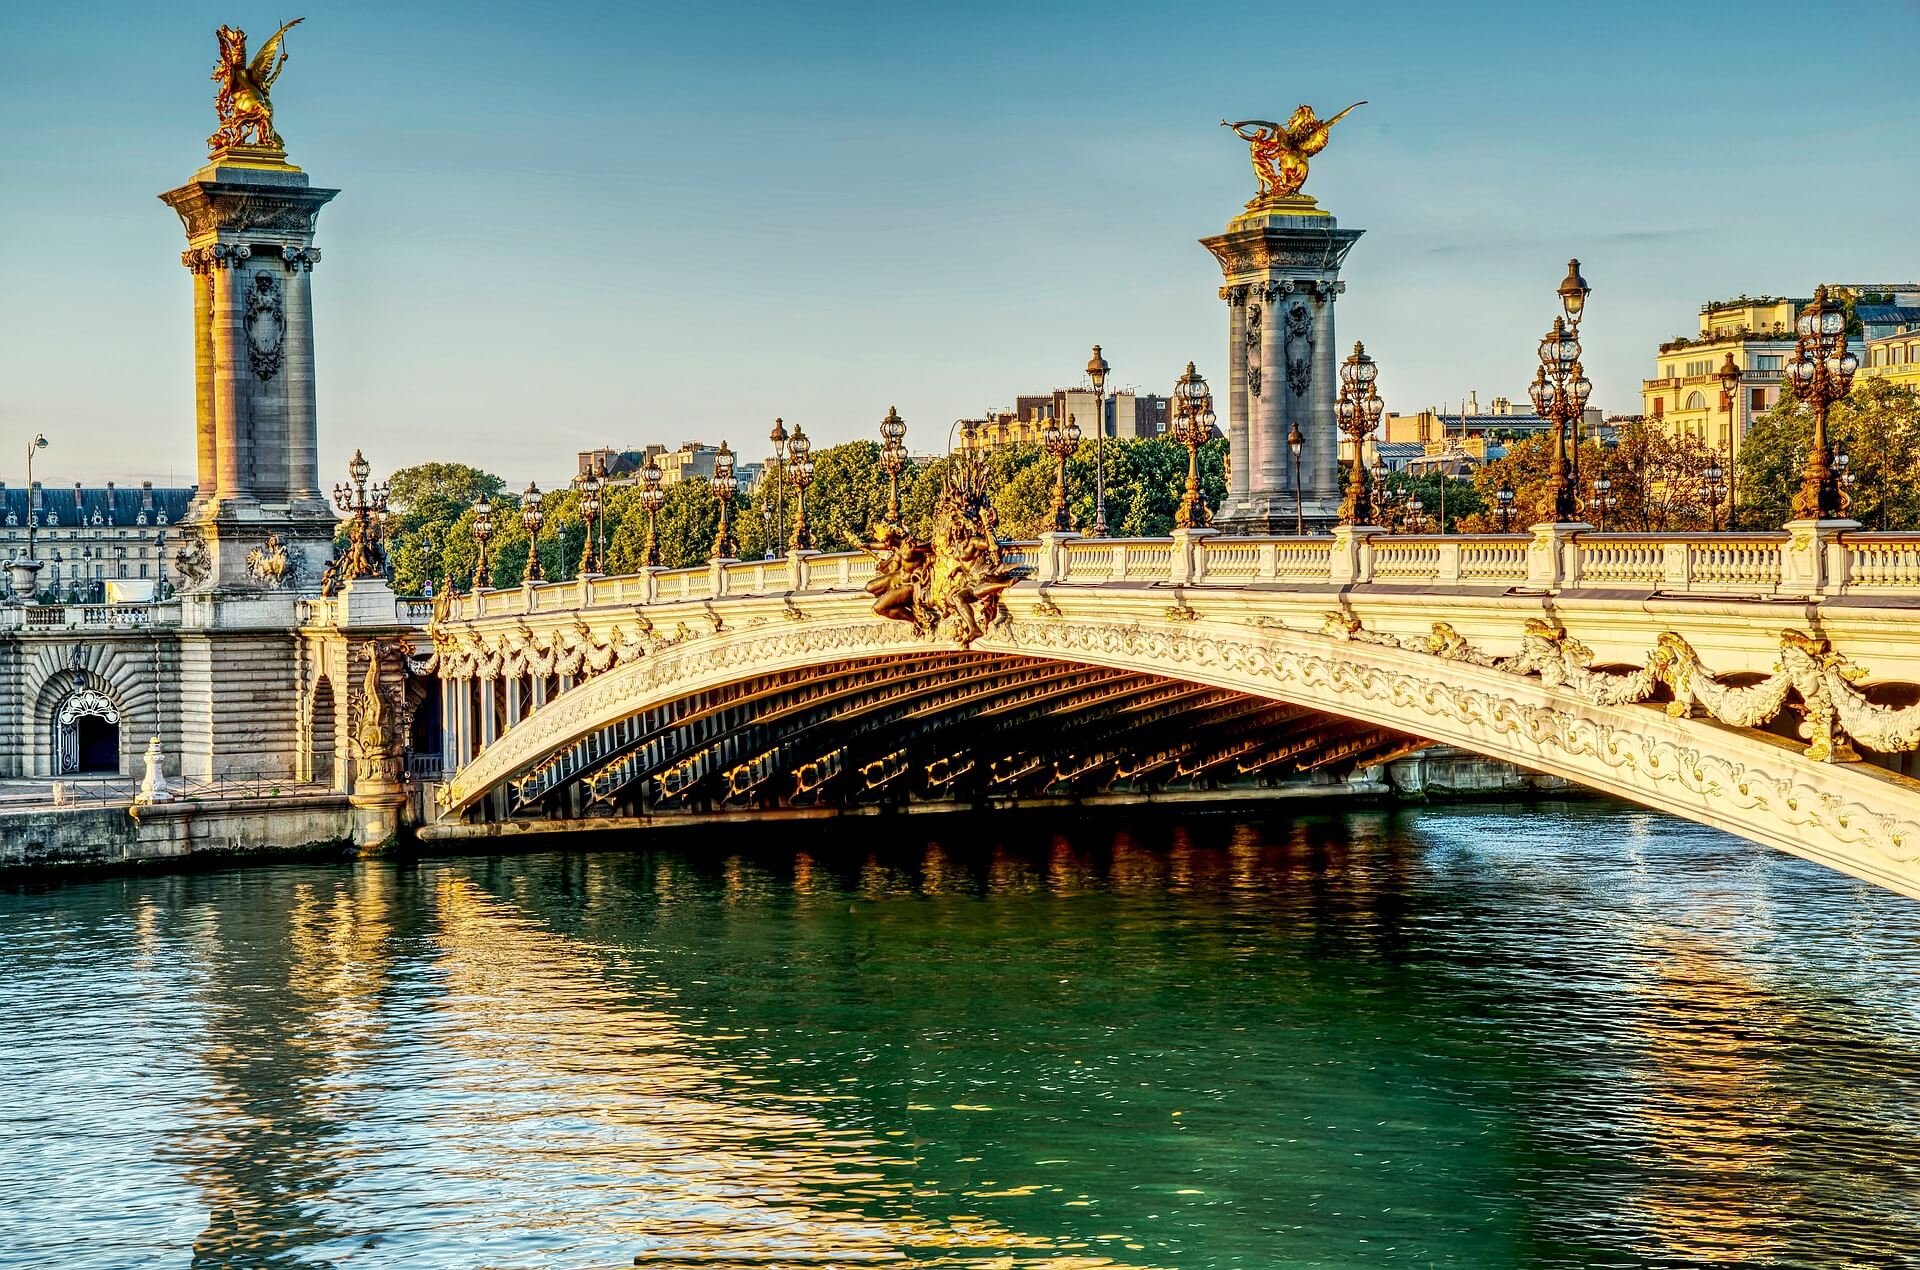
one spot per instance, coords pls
(935, 725)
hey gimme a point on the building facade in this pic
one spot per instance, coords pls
(1895, 357)
(86, 537)
(1684, 397)
(1130, 416)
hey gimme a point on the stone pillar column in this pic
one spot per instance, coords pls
(513, 700)
(206, 463)
(1237, 413)
(233, 443)
(489, 712)
(1320, 474)
(1270, 416)
(302, 477)
(449, 749)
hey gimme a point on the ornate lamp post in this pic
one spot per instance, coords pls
(482, 531)
(532, 517)
(1712, 480)
(651, 499)
(893, 458)
(1060, 442)
(1822, 370)
(1729, 377)
(1097, 369)
(365, 503)
(589, 485)
(1844, 478)
(800, 475)
(778, 462)
(724, 487)
(1358, 410)
(1560, 391)
(1503, 499)
(1416, 515)
(1604, 499)
(1193, 419)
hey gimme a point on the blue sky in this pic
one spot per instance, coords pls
(562, 225)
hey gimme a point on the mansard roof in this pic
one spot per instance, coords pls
(117, 505)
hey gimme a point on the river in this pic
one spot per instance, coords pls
(1562, 1034)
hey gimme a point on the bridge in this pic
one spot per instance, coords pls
(1767, 684)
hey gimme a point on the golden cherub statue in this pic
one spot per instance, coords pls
(246, 113)
(1280, 153)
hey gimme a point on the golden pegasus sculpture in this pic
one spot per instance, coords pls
(242, 103)
(1280, 151)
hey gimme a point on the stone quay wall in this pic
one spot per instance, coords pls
(109, 836)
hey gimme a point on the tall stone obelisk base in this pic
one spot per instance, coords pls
(249, 217)
(1281, 263)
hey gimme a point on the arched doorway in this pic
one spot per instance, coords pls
(86, 735)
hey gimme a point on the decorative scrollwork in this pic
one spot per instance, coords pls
(266, 326)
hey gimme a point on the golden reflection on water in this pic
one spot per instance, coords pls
(1713, 1106)
(683, 1158)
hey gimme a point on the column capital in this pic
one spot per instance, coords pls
(216, 256)
(299, 259)
(1235, 296)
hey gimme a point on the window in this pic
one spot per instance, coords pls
(1696, 401)
(1759, 400)
(1767, 361)
(1659, 407)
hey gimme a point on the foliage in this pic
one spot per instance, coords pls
(1658, 481)
(430, 530)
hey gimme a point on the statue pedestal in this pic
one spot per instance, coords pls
(1280, 261)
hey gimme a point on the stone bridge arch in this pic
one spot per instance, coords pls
(1851, 817)
(55, 675)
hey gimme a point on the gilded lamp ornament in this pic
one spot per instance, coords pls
(242, 102)
(1279, 152)
(1193, 421)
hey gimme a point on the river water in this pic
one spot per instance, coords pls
(1570, 1034)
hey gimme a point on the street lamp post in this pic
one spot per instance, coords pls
(800, 475)
(1060, 441)
(1416, 515)
(1503, 497)
(1193, 420)
(1097, 369)
(38, 443)
(779, 459)
(1295, 443)
(893, 458)
(532, 517)
(651, 499)
(589, 485)
(725, 486)
(482, 532)
(1604, 499)
(364, 502)
(1560, 391)
(1711, 479)
(1358, 410)
(1729, 377)
(1822, 370)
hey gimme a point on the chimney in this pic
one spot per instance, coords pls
(79, 503)
(146, 496)
(110, 493)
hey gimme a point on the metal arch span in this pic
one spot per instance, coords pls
(1858, 819)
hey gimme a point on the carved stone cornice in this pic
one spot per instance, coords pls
(210, 208)
(1302, 252)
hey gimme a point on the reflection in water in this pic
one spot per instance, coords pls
(1566, 1036)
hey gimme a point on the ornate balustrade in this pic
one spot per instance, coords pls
(70, 617)
(1733, 566)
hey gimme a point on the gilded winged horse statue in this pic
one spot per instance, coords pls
(1280, 151)
(246, 112)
